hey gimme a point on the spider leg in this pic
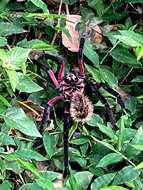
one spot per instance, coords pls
(48, 107)
(49, 71)
(67, 125)
(104, 101)
(60, 61)
(115, 93)
(80, 58)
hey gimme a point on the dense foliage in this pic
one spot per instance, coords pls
(101, 157)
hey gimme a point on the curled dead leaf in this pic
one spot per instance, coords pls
(98, 35)
(71, 43)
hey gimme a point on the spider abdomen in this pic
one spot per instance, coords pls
(81, 107)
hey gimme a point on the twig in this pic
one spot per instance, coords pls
(116, 151)
(59, 12)
(67, 9)
(126, 76)
(28, 107)
(109, 52)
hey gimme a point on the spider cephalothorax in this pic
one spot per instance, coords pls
(70, 84)
(77, 106)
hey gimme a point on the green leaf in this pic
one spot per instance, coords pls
(138, 78)
(82, 180)
(138, 146)
(79, 141)
(18, 56)
(73, 183)
(13, 166)
(29, 166)
(4, 101)
(114, 188)
(121, 136)
(45, 184)
(137, 140)
(95, 120)
(139, 166)
(95, 73)
(36, 44)
(26, 84)
(3, 41)
(125, 175)
(30, 154)
(109, 77)
(49, 143)
(91, 54)
(30, 186)
(102, 181)
(131, 104)
(17, 119)
(7, 29)
(130, 38)
(6, 185)
(3, 4)
(108, 131)
(4, 56)
(40, 4)
(98, 6)
(13, 78)
(139, 52)
(109, 159)
(122, 55)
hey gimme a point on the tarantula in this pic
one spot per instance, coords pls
(77, 106)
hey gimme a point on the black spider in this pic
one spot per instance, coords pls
(77, 105)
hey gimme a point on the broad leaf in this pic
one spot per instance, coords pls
(31, 186)
(125, 175)
(114, 188)
(30, 154)
(49, 143)
(25, 84)
(18, 57)
(30, 167)
(36, 44)
(109, 159)
(91, 54)
(137, 140)
(139, 52)
(6, 185)
(13, 78)
(3, 41)
(102, 181)
(108, 77)
(17, 119)
(130, 38)
(95, 73)
(121, 136)
(8, 28)
(108, 131)
(40, 4)
(138, 78)
(122, 55)
(82, 180)
(95, 120)
(4, 101)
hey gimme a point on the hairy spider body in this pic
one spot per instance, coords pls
(72, 88)
(81, 108)
(77, 105)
